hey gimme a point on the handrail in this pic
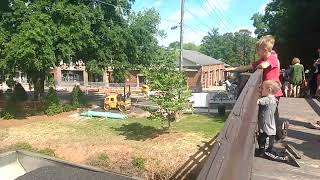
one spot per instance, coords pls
(232, 155)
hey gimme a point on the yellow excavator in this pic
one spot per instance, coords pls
(118, 101)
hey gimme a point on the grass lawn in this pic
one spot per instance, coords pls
(135, 146)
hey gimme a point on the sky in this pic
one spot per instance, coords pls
(201, 16)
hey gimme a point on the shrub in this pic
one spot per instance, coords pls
(12, 109)
(54, 109)
(19, 94)
(7, 115)
(68, 107)
(78, 98)
(138, 162)
(52, 97)
(1, 94)
(53, 103)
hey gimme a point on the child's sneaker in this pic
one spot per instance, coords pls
(273, 155)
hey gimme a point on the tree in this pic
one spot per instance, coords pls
(261, 27)
(163, 76)
(186, 46)
(294, 26)
(31, 49)
(37, 35)
(232, 48)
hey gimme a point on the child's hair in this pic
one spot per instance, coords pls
(295, 61)
(266, 41)
(274, 86)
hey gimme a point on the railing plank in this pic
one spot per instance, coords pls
(232, 155)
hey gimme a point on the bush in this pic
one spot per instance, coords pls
(2, 95)
(138, 162)
(52, 97)
(53, 103)
(19, 94)
(78, 98)
(12, 109)
(54, 109)
(68, 107)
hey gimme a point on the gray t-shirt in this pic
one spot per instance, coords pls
(266, 120)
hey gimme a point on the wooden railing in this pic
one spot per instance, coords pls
(232, 154)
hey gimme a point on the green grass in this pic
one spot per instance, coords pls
(207, 125)
(143, 128)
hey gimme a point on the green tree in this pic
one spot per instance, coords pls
(36, 35)
(295, 28)
(186, 46)
(163, 76)
(31, 49)
(232, 48)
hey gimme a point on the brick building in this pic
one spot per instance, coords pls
(203, 72)
(76, 73)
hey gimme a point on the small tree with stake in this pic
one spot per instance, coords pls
(164, 77)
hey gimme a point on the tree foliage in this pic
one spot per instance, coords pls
(232, 48)
(163, 76)
(186, 46)
(294, 25)
(38, 34)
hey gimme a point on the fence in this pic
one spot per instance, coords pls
(232, 155)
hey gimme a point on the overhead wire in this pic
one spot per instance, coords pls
(210, 11)
(221, 10)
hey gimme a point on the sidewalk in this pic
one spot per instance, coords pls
(299, 112)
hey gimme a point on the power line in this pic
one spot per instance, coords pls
(218, 6)
(219, 13)
(215, 16)
(199, 21)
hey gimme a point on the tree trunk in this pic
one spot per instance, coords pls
(38, 84)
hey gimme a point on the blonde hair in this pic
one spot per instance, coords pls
(274, 86)
(295, 61)
(266, 42)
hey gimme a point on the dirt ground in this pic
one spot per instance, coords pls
(80, 140)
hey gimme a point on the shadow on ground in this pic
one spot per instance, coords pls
(192, 167)
(310, 139)
(315, 105)
(140, 132)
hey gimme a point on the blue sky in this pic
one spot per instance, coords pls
(202, 15)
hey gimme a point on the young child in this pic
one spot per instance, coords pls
(270, 64)
(266, 119)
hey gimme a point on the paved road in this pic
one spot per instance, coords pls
(299, 112)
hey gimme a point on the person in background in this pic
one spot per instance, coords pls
(316, 64)
(297, 77)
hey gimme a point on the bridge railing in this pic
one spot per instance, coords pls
(232, 154)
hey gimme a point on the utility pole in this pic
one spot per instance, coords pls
(181, 36)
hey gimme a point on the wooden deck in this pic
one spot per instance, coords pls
(232, 154)
(299, 112)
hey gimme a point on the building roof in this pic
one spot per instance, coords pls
(199, 58)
